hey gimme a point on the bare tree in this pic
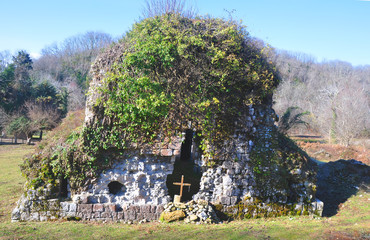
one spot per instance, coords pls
(159, 7)
(336, 94)
(40, 118)
(4, 119)
(5, 59)
(67, 65)
(353, 111)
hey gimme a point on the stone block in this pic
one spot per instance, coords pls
(176, 152)
(227, 180)
(225, 200)
(95, 215)
(298, 207)
(203, 215)
(34, 216)
(166, 152)
(98, 208)
(120, 215)
(129, 215)
(173, 216)
(153, 209)
(25, 216)
(111, 208)
(64, 206)
(156, 216)
(86, 215)
(150, 216)
(159, 209)
(228, 192)
(72, 207)
(44, 218)
(53, 205)
(85, 208)
(155, 152)
(134, 208)
(319, 205)
(16, 214)
(145, 209)
(233, 200)
(175, 145)
(105, 215)
(140, 216)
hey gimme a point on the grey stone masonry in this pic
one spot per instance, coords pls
(53, 209)
(143, 180)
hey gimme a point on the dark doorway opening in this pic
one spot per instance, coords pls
(115, 187)
(184, 165)
(186, 146)
(63, 187)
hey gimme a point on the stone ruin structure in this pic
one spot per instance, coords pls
(135, 188)
(139, 184)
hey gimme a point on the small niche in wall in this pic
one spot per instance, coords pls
(116, 187)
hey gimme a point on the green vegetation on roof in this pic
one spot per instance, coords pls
(174, 70)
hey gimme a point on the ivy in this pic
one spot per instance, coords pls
(173, 70)
(169, 71)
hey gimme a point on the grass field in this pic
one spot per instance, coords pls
(351, 222)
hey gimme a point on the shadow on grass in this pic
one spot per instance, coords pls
(337, 181)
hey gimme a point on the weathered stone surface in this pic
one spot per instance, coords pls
(111, 207)
(193, 217)
(106, 215)
(98, 208)
(72, 207)
(120, 215)
(143, 179)
(130, 215)
(172, 216)
(87, 208)
(203, 215)
(166, 152)
(64, 206)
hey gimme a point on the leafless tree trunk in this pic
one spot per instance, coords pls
(159, 7)
(336, 94)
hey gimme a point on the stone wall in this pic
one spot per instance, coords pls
(141, 196)
(52, 209)
(134, 188)
(232, 179)
(143, 179)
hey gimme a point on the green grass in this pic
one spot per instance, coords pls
(351, 222)
(11, 181)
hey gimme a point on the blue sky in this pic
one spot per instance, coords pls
(326, 29)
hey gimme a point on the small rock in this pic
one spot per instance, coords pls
(203, 215)
(193, 217)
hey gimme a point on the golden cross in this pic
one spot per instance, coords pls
(182, 184)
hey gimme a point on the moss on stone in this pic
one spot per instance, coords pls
(172, 216)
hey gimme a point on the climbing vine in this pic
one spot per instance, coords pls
(175, 70)
(167, 72)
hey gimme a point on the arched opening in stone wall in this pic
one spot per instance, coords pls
(185, 166)
(116, 187)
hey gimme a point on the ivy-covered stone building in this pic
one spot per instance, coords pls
(174, 97)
